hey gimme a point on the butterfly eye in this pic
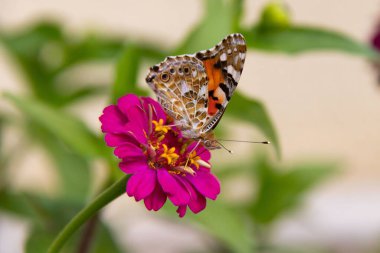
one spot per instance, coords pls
(165, 77)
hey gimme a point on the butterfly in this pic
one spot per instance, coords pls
(194, 89)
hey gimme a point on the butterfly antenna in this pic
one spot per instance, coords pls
(228, 150)
(258, 142)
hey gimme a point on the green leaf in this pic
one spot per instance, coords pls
(218, 21)
(43, 51)
(127, 72)
(104, 242)
(226, 224)
(64, 126)
(237, 14)
(302, 39)
(75, 178)
(281, 190)
(17, 203)
(254, 112)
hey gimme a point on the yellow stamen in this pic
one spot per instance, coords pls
(159, 126)
(193, 159)
(169, 154)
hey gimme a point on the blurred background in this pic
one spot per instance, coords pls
(309, 85)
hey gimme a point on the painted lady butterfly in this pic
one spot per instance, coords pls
(195, 89)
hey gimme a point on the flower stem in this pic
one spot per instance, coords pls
(111, 193)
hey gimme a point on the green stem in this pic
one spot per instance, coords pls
(99, 202)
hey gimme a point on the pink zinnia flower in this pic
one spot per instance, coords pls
(163, 164)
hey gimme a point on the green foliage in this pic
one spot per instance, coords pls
(216, 23)
(280, 190)
(302, 39)
(254, 112)
(227, 224)
(127, 69)
(44, 51)
(63, 125)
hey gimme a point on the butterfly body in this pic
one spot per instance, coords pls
(195, 89)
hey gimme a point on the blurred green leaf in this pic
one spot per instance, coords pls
(281, 190)
(74, 171)
(127, 72)
(302, 39)
(92, 47)
(16, 203)
(82, 93)
(254, 112)
(61, 124)
(218, 20)
(44, 50)
(103, 241)
(237, 14)
(226, 224)
(39, 240)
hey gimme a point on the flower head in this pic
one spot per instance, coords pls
(162, 162)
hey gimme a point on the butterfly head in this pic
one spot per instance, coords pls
(209, 141)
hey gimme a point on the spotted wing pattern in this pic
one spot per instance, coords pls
(180, 84)
(224, 64)
(195, 89)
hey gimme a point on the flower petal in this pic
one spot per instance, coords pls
(197, 201)
(112, 120)
(181, 210)
(141, 184)
(132, 166)
(156, 199)
(206, 183)
(138, 117)
(129, 150)
(126, 102)
(114, 140)
(158, 112)
(203, 153)
(175, 191)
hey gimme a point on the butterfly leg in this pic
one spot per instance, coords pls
(188, 158)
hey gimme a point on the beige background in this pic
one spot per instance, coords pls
(324, 105)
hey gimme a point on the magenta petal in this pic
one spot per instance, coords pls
(112, 120)
(136, 131)
(203, 153)
(158, 112)
(114, 140)
(132, 166)
(141, 184)
(128, 101)
(156, 199)
(206, 183)
(197, 201)
(138, 118)
(129, 150)
(181, 210)
(176, 192)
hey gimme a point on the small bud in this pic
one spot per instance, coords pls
(275, 15)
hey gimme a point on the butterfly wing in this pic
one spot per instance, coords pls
(180, 84)
(195, 89)
(223, 64)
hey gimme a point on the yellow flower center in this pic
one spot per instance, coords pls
(159, 126)
(169, 154)
(193, 159)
